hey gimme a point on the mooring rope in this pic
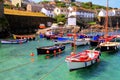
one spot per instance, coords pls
(15, 67)
(51, 71)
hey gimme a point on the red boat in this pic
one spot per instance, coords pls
(82, 59)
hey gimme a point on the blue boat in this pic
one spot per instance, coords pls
(14, 41)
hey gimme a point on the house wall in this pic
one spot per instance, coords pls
(15, 2)
(26, 24)
(58, 11)
(112, 21)
(33, 8)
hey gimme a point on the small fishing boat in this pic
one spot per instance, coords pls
(28, 37)
(95, 41)
(50, 35)
(15, 41)
(50, 49)
(80, 42)
(63, 40)
(108, 46)
(82, 59)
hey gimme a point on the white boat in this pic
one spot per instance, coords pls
(62, 42)
(80, 42)
(14, 41)
(82, 59)
(83, 41)
(108, 46)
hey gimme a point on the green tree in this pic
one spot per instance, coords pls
(73, 4)
(90, 4)
(60, 18)
(17, 5)
(60, 4)
(1, 0)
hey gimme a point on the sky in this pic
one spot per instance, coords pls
(112, 3)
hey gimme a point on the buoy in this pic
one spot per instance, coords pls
(107, 48)
(47, 52)
(115, 48)
(32, 54)
(54, 52)
(72, 53)
(59, 50)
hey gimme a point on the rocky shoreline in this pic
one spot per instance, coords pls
(85, 31)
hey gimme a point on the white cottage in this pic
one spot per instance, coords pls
(48, 11)
(110, 13)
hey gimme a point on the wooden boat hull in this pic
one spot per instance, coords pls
(17, 41)
(51, 37)
(109, 47)
(94, 43)
(80, 42)
(78, 65)
(62, 42)
(48, 50)
(82, 59)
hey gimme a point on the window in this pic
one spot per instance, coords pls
(61, 10)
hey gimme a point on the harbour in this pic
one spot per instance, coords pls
(35, 45)
(18, 64)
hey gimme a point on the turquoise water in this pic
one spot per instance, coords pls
(17, 64)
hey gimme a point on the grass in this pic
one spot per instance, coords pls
(92, 23)
(23, 13)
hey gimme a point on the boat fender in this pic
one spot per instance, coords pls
(47, 51)
(59, 50)
(72, 53)
(115, 48)
(54, 51)
(32, 54)
(107, 48)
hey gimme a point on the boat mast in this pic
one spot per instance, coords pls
(106, 25)
(74, 37)
(117, 27)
